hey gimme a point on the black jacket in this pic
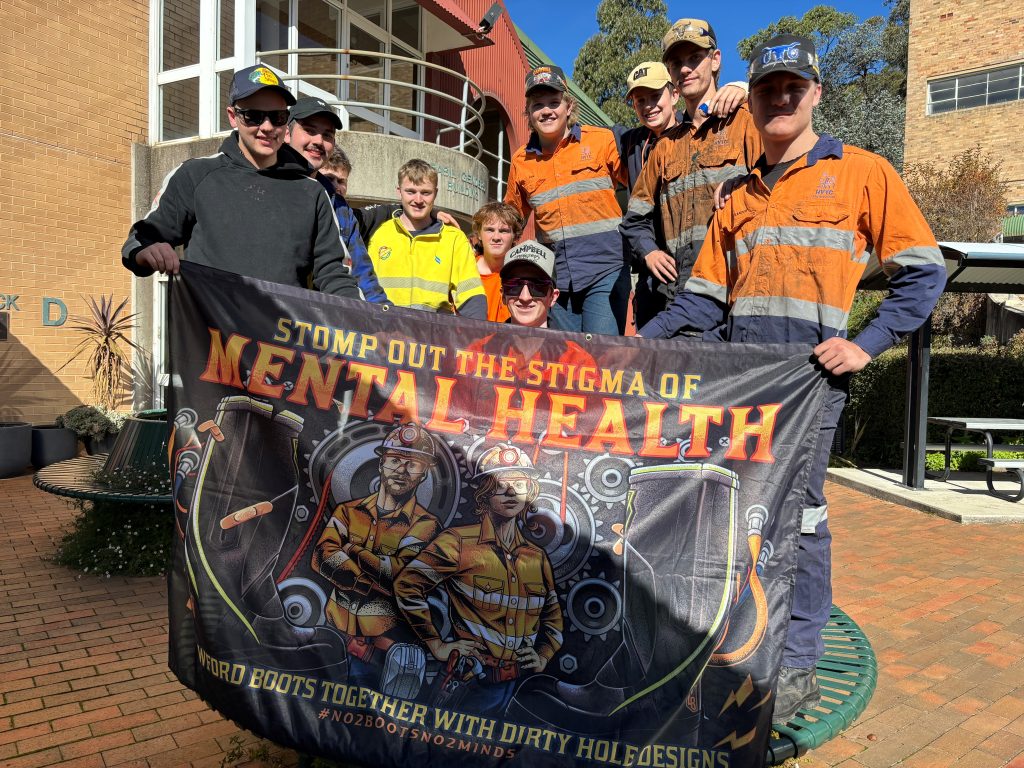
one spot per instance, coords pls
(274, 224)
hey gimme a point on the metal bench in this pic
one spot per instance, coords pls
(1010, 466)
(847, 674)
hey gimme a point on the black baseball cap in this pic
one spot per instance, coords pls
(255, 78)
(784, 53)
(547, 76)
(309, 106)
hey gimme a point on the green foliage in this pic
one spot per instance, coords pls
(862, 73)
(91, 421)
(110, 538)
(964, 381)
(105, 333)
(630, 32)
(863, 311)
(963, 202)
(958, 319)
(965, 461)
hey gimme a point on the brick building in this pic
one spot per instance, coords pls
(965, 86)
(98, 101)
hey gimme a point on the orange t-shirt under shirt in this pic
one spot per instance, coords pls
(496, 309)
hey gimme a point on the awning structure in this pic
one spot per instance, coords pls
(970, 268)
(1013, 226)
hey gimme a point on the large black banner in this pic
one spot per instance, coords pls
(406, 537)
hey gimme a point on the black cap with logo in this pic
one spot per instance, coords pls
(784, 53)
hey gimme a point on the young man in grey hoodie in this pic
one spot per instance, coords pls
(252, 208)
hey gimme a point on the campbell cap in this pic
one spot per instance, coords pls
(649, 74)
(784, 53)
(546, 76)
(531, 252)
(309, 106)
(696, 31)
(251, 79)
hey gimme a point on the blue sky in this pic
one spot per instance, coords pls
(561, 28)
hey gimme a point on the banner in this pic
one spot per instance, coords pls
(407, 538)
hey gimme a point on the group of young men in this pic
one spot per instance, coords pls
(779, 262)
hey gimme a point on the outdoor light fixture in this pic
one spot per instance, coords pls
(487, 22)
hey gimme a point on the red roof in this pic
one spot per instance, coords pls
(450, 12)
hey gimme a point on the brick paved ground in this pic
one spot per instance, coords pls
(84, 682)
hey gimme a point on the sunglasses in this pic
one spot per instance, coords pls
(538, 288)
(255, 117)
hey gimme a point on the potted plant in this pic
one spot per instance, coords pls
(106, 337)
(15, 447)
(52, 443)
(95, 425)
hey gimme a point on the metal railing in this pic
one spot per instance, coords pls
(469, 127)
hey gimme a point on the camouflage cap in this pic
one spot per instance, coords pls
(696, 31)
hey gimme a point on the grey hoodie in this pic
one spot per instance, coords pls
(274, 224)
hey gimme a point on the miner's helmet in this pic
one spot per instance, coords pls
(504, 458)
(411, 439)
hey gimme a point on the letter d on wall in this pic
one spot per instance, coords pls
(48, 303)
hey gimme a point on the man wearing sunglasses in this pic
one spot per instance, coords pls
(528, 284)
(252, 208)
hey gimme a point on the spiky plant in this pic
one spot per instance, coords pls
(105, 337)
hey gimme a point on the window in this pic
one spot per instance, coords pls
(1015, 209)
(978, 89)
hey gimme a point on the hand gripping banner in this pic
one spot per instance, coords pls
(411, 539)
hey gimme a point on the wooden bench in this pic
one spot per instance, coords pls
(1010, 466)
(847, 675)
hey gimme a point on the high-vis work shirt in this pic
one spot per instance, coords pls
(783, 265)
(360, 552)
(429, 271)
(571, 192)
(673, 199)
(507, 600)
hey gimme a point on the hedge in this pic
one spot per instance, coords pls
(978, 382)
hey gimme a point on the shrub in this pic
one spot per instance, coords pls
(964, 381)
(92, 421)
(112, 537)
(966, 461)
(960, 318)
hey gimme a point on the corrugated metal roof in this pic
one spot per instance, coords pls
(590, 113)
(984, 267)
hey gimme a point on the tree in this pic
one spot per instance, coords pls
(630, 32)
(863, 74)
(963, 202)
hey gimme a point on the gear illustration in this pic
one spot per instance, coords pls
(606, 478)
(568, 542)
(594, 606)
(304, 602)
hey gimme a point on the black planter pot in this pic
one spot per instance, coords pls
(94, 445)
(15, 447)
(51, 444)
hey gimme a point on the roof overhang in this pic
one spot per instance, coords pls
(970, 268)
(446, 27)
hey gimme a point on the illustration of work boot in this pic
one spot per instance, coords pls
(671, 624)
(239, 517)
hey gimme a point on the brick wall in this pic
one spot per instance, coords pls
(961, 36)
(73, 98)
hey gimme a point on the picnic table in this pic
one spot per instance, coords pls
(986, 428)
